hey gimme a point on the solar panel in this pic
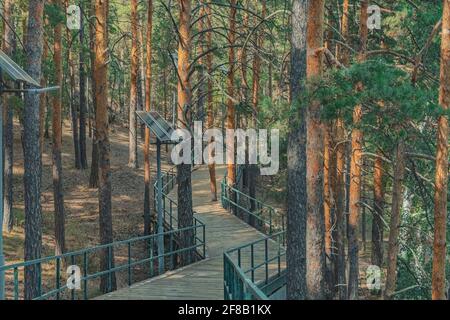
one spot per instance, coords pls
(157, 125)
(11, 68)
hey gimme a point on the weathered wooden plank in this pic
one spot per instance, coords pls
(204, 279)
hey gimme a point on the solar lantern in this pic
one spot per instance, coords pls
(163, 133)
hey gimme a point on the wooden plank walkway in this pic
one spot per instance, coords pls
(202, 280)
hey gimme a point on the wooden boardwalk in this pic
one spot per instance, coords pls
(204, 279)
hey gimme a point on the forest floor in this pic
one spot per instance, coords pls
(81, 202)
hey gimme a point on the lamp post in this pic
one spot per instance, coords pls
(162, 131)
(160, 209)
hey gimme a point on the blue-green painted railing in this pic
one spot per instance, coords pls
(55, 287)
(246, 268)
(169, 204)
(256, 270)
(83, 258)
(263, 217)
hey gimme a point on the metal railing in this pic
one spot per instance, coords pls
(131, 249)
(169, 178)
(254, 212)
(54, 286)
(256, 270)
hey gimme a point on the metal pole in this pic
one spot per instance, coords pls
(2, 257)
(160, 213)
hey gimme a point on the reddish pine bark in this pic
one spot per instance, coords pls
(378, 204)
(355, 173)
(148, 95)
(315, 245)
(210, 101)
(394, 226)
(339, 184)
(441, 182)
(104, 148)
(185, 213)
(132, 133)
(230, 122)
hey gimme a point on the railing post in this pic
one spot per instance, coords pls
(16, 284)
(172, 263)
(279, 255)
(85, 272)
(204, 241)
(58, 270)
(129, 264)
(238, 211)
(171, 215)
(109, 268)
(266, 258)
(239, 257)
(252, 261)
(72, 261)
(150, 255)
(270, 221)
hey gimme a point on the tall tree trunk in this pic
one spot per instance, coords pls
(200, 112)
(315, 235)
(141, 78)
(377, 222)
(342, 51)
(73, 103)
(355, 173)
(339, 185)
(210, 101)
(328, 205)
(297, 197)
(340, 235)
(93, 177)
(8, 133)
(108, 282)
(43, 99)
(31, 150)
(132, 160)
(441, 182)
(58, 194)
(231, 116)
(253, 172)
(394, 227)
(148, 95)
(83, 99)
(185, 212)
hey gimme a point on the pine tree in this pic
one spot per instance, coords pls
(296, 191)
(31, 150)
(132, 161)
(441, 182)
(108, 283)
(185, 211)
(315, 228)
(58, 192)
